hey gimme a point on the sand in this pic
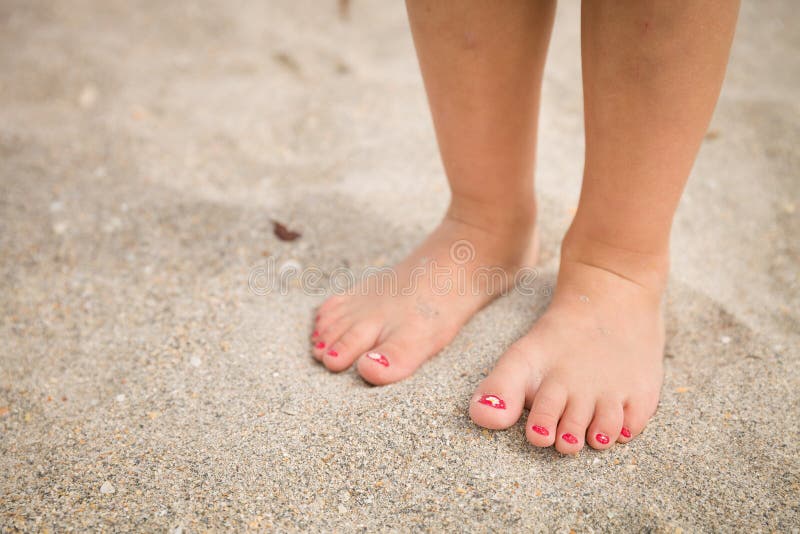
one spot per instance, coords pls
(145, 151)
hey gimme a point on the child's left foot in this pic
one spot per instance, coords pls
(590, 369)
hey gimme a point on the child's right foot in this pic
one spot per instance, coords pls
(392, 333)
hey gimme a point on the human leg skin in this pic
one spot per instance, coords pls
(652, 72)
(482, 66)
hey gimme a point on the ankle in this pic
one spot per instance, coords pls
(512, 215)
(647, 268)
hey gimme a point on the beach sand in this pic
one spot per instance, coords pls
(144, 384)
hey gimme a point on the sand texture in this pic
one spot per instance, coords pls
(146, 147)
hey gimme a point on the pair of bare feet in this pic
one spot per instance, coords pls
(589, 370)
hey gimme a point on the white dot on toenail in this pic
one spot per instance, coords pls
(584, 298)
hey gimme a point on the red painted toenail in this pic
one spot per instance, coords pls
(569, 438)
(540, 430)
(314, 333)
(378, 357)
(602, 438)
(625, 432)
(332, 353)
(493, 400)
(320, 345)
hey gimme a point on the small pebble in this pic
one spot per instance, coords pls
(107, 488)
(88, 97)
(342, 509)
(725, 340)
(120, 397)
(195, 361)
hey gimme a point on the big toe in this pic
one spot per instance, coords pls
(400, 354)
(498, 401)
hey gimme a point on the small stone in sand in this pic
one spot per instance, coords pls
(107, 488)
(195, 361)
(88, 96)
(120, 398)
(725, 340)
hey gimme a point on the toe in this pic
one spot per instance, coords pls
(573, 423)
(324, 321)
(401, 352)
(351, 344)
(636, 413)
(330, 304)
(498, 401)
(606, 425)
(325, 339)
(546, 409)
(388, 362)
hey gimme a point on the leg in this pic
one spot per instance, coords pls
(482, 69)
(652, 73)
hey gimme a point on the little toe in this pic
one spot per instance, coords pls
(499, 399)
(606, 425)
(572, 426)
(636, 413)
(342, 352)
(546, 409)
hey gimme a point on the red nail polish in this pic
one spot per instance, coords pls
(625, 432)
(317, 317)
(320, 345)
(314, 333)
(540, 430)
(602, 438)
(493, 400)
(378, 357)
(569, 438)
(333, 353)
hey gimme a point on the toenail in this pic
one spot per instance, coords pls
(378, 357)
(493, 400)
(540, 430)
(569, 438)
(625, 432)
(320, 345)
(332, 353)
(602, 438)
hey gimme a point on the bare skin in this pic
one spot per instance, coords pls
(482, 70)
(590, 368)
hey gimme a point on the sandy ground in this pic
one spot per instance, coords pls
(144, 386)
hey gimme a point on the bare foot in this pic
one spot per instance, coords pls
(391, 333)
(590, 369)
